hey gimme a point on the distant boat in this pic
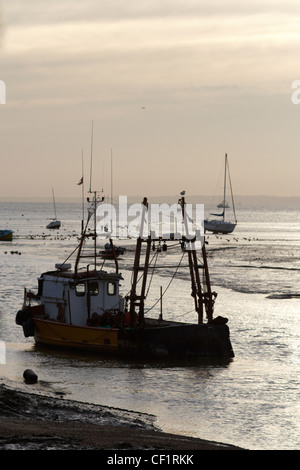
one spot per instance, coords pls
(223, 204)
(55, 223)
(6, 235)
(220, 225)
(110, 252)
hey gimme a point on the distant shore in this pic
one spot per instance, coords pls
(251, 200)
(30, 421)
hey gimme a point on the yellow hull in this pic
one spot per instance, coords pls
(157, 339)
(52, 333)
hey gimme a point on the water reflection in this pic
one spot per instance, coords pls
(92, 360)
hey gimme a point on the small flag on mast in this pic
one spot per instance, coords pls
(80, 182)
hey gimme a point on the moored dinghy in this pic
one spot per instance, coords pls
(6, 235)
(83, 308)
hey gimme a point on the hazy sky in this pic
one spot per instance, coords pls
(170, 86)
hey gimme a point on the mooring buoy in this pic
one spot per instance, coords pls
(30, 377)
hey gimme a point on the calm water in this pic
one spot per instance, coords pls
(253, 401)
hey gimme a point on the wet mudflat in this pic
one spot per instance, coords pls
(37, 422)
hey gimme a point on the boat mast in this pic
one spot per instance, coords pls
(82, 193)
(201, 298)
(194, 271)
(224, 199)
(135, 299)
(95, 198)
(209, 296)
(54, 204)
(91, 166)
(91, 211)
(111, 189)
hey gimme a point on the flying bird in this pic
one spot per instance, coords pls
(182, 193)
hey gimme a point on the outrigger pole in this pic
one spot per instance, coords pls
(201, 299)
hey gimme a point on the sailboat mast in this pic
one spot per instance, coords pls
(82, 193)
(111, 190)
(111, 177)
(91, 167)
(95, 230)
(54, 204)
(224, 199)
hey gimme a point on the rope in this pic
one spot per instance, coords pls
(171, 280)
(156, 256)
(186, 313)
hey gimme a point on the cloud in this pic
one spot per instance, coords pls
(156, 53)
(205, 71)
(112, 48)
(42, 12)
(2, 24)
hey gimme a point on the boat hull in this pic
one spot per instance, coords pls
(54, 225)
(168, 340)
(51, 333)
(178, 340)
(216, 226)
(6, 235)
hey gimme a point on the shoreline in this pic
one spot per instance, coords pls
(30, 421)
(31, 434)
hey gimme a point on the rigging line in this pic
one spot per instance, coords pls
(174, 245)
(138, 280)
(218, 185)
(171, 280)
(186, 313)
(70, 254)
(75, 249)
(172, 266)
(232, 200)
(156, 256)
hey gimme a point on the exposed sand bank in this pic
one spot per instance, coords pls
(36, 422)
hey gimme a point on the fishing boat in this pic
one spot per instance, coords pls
(6, 235)
(82, 307)
(220, 224)
(55, 224)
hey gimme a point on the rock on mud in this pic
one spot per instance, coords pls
(30, 377)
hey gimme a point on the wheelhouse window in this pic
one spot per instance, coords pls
(93, 288)
(40, 284)
(80, 289)
(111, 288)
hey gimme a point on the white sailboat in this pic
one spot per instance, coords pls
(55, 224)
(220, 225)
